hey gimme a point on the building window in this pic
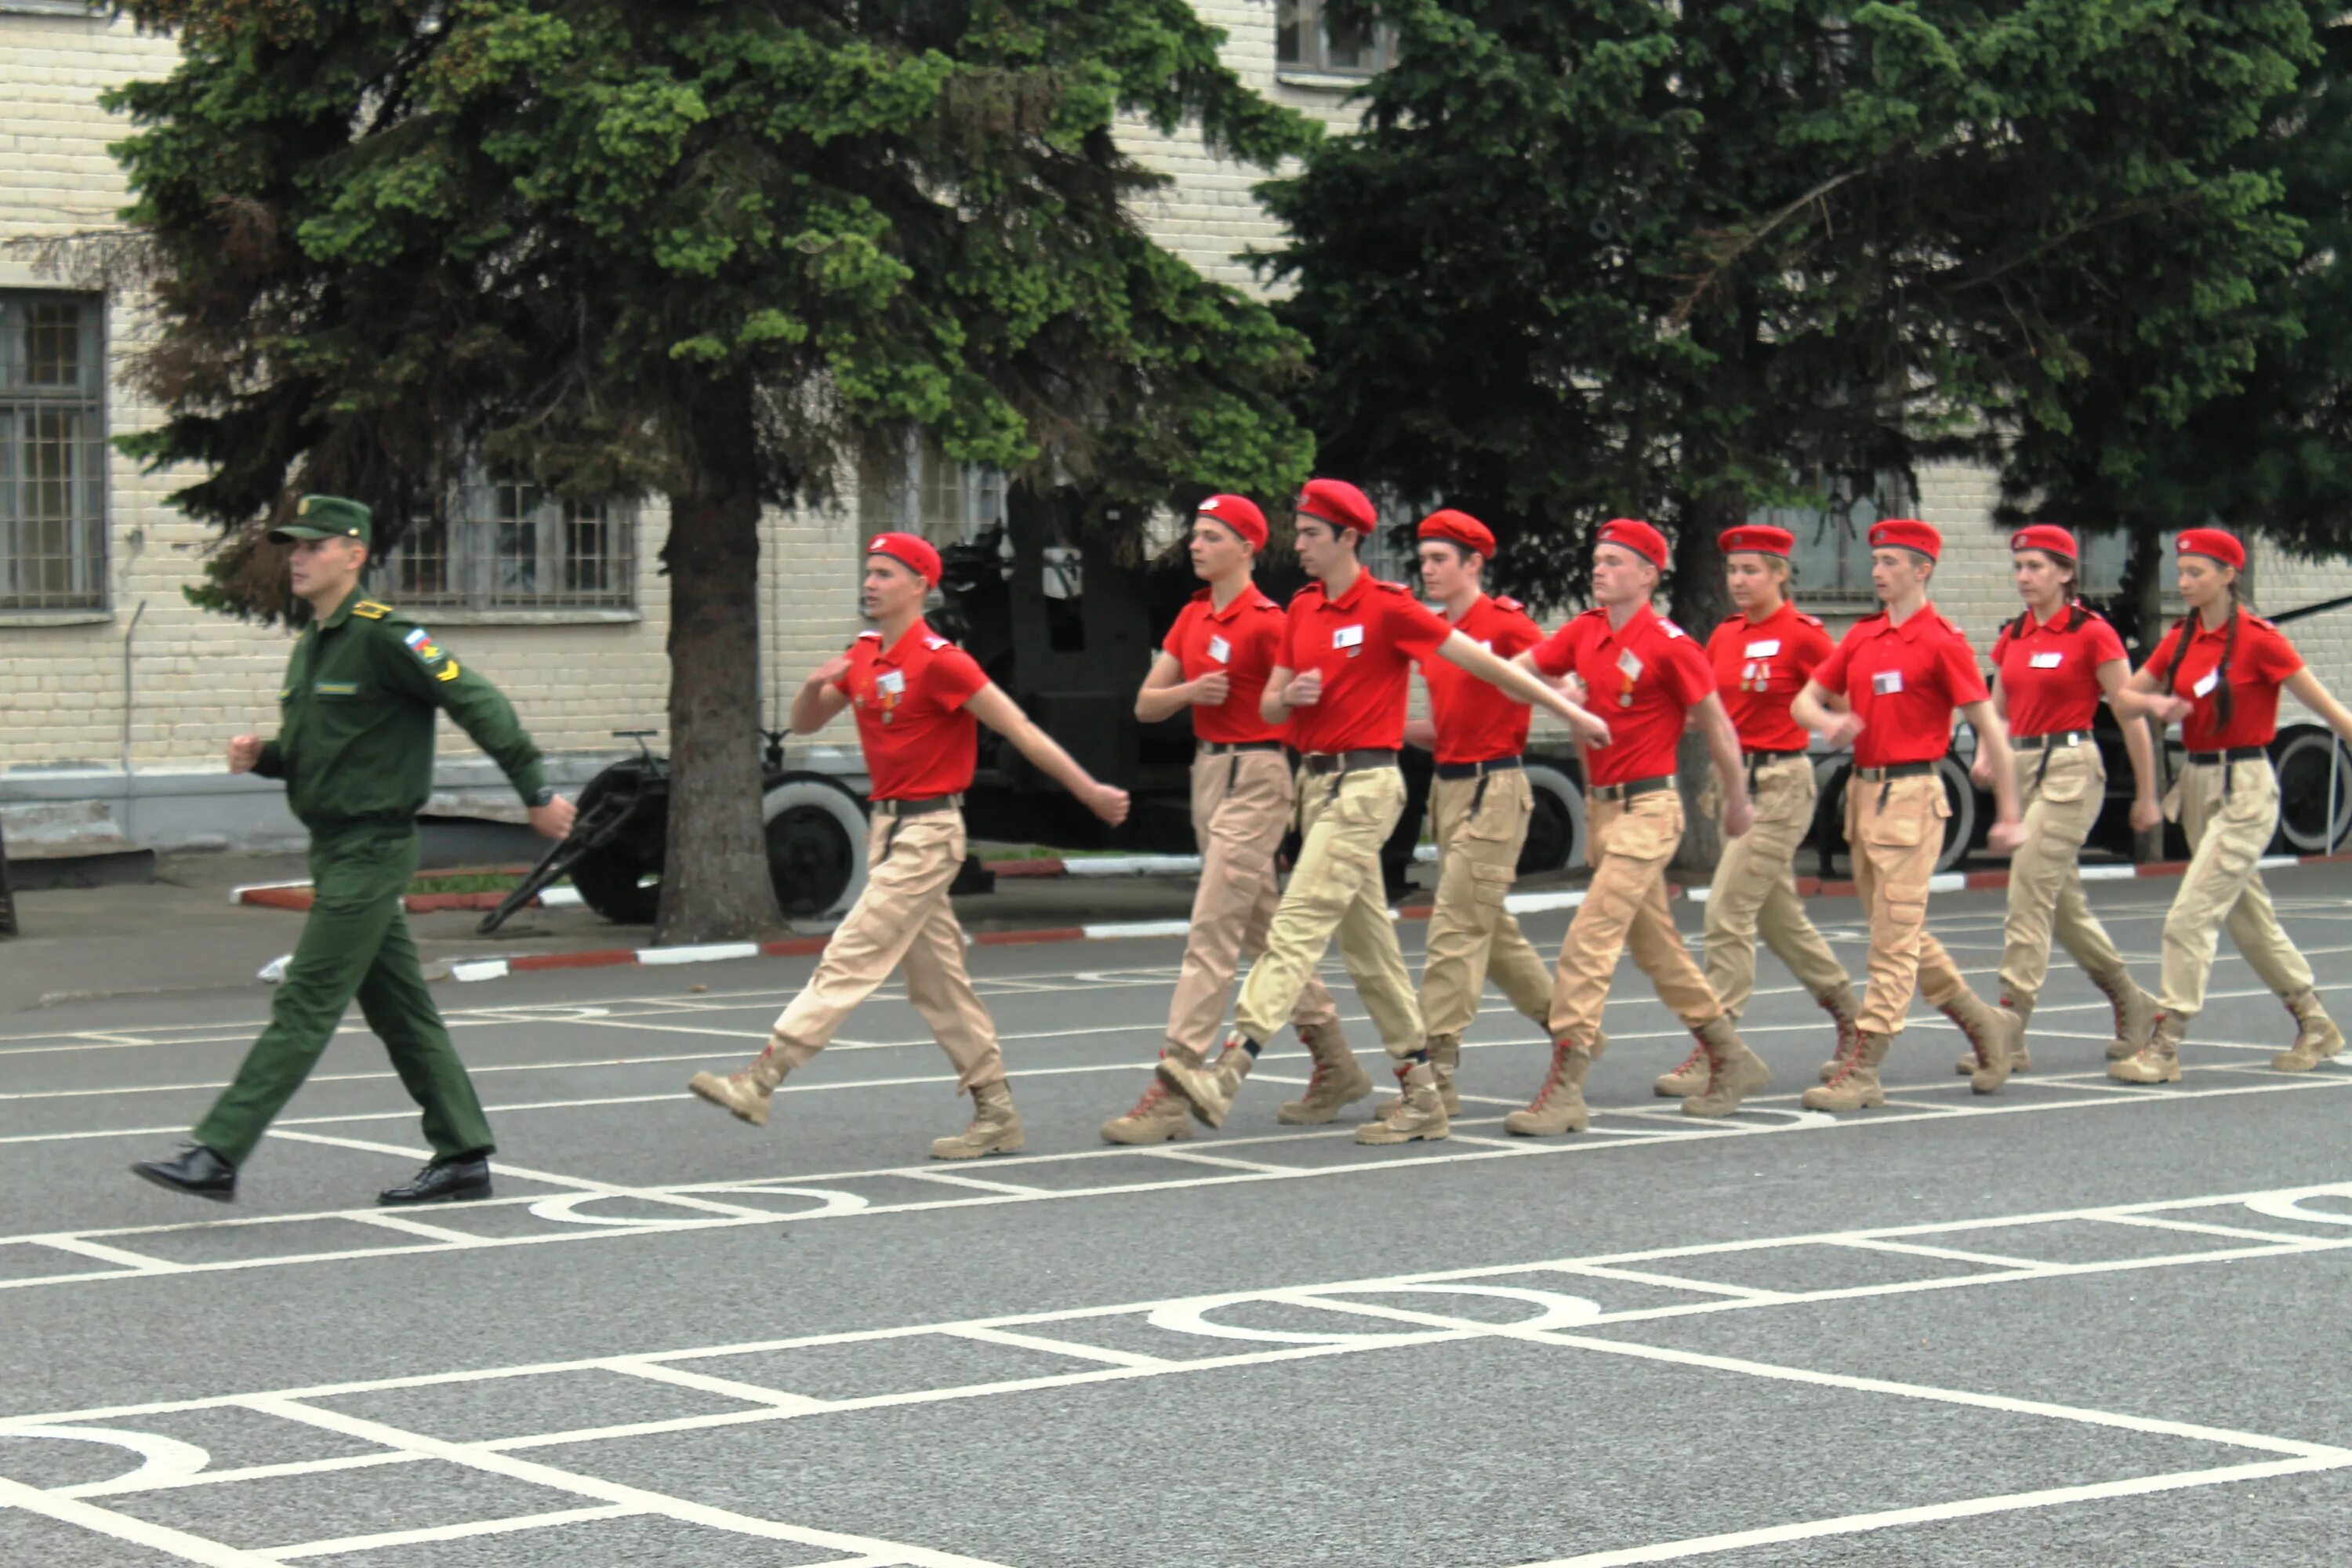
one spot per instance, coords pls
(1334, 37)
(2106, 552)
(509, 545)
(1831, 561)
(52, 452)
(933, 495)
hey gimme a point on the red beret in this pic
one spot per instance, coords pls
(1338, 503)
(2217, 542)
(1237, 512)
(1638, 537)
(2048, 538)
(908, 552)
(1460, 527)
(1908, 533)
(1757, 539)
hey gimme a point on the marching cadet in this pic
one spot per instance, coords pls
(1761, 658)
(1214, 661)
(2051, 666)
(354, 745)
(915, 697)
(1659, 680)
(1900, 674)
(1480, 804)
(2218, 674)
(1349, 642)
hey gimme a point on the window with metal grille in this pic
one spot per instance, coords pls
(509, 545)
(1831, 561)
(1338, 37)
(52, 452)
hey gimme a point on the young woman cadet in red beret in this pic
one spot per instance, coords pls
(2219, 674)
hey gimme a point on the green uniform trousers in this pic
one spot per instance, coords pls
(355, 943)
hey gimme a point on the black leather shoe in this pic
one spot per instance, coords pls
(451, 1180)
(195, 1170)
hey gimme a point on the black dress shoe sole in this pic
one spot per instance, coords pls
(212, 1194)
(454, 1195)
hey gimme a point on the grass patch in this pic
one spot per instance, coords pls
(471, 883)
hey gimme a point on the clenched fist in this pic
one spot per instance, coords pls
(243, 753)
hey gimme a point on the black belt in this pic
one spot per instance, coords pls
(2054, 739)
(1632, 788)
(918, 807)
(2235, 754)
(1477, 770)
(1895, 771)
(1228, 748)
(1757, 756)
(1346, 762)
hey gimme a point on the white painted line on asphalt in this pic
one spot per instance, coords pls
(105, 1254)
(679, 1377)
(976, 1183)
(123, 1527)
(1062, 1347)
(1984, 1259)
(1193, 1157)
(438, 1532)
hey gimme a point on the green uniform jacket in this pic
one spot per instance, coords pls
(355, 733)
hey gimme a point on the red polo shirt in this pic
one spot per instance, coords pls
(1245, 640)
(2051, 675)
(1643, 678)
(1476, 720)
(918, 737)
(1904, 681)
(1760, 667)
(2261, 663)
(1365, 642)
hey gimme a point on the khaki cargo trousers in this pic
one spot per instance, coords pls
(1895, 828)
(1480, 832)
(2229, 811)
(2063, 790)
(1336, 890)
(903, 919)
(1755, 892)
(1625, 907)
(1242, 806)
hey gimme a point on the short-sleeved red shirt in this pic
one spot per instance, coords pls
(1643, 678)
(1760, 667)
(1476, 720)
(1904, 681)
(1245, 640)
(919, 739)
(1365, 642)
(2261, 663)
(2051, 674)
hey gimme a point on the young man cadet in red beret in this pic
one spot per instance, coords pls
(1761, 656)
(1214, 661)
(1900, 674)
(1647, 675)
(915, 697)
(1480, 804)
(1350, 643)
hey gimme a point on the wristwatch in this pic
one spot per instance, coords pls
(543, 795)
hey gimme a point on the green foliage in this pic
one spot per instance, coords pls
(1598, 257)
(563, 237)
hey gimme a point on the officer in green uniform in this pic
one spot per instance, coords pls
(355, 748)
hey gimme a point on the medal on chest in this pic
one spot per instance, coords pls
(889, 691)
(1629, 669)
(1756, 675)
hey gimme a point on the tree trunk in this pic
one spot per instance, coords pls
(1701, 600)
(2143, 600)
(715, 884)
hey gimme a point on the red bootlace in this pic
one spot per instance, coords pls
(1698, 1053)
(1151, 1097)
(1558, 1074)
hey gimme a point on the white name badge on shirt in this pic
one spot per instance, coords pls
(1886, 683)
(1347, 637)
(892, 681)
(1763, 649)
(2045, 661)
(1221, 650)
(2206, 682)
(1629, 664)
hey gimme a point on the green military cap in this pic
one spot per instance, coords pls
(326, 517)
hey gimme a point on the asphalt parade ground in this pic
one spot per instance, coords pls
(2076, 1321)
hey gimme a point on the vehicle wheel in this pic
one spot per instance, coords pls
(621, 880)
(1555, 832)
(1960, 828)
(2305, 755)
(816, 846)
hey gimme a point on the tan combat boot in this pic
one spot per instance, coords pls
(2135, 1014)
(746, 1093)
(1856, 1085)
(1336, 1082)
(2158, 1061)
(2316, 1037)
(2020, 1060)
(995, 1129)
(1421, 1113)
(1160, 1117)
(1686, 1079)
(1733, 1072)
(1208, 1089)
(1845, 1011)
(1445, 1059)
(1993, 1031)
(1559, 1105)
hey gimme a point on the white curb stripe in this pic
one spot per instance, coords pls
(2109, 873)
(705, 952)
(484, 969)
(236, 895)
(1136, 928)
(1133, 866)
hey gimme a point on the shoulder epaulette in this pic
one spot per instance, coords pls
(1300, 596)
(1263, 602)
(935, 642)
(1735, 616)
(1588, 614)
(1505, 602)
(1391, 587)
(1950, 627)
(1814, 621)
(869, 636)
(368, 609)
(1669, 628)
(1201, 597)
(2266, 625)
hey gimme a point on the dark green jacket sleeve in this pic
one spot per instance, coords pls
(415, 663)
(272, 764)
